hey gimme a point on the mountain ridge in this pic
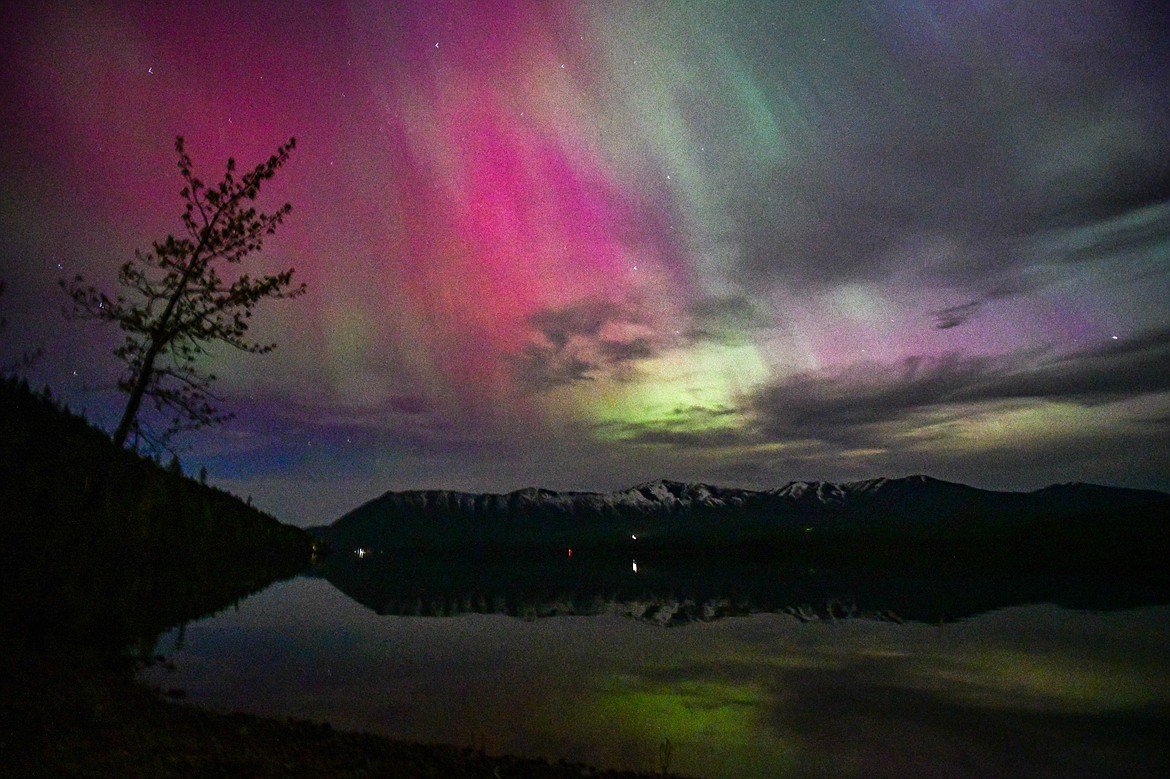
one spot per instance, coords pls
(666, 489)
(700, 515)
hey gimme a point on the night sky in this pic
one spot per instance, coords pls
(583, 245)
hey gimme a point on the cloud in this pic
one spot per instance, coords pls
(839, 406)
(857, 419)
(1121, 369)
(1141, 230)
(584, 318)
(541, 367)
(869, 405)
(846, 406)
(1010, 130)
(725, 318)
(953, 316)
(626, 351)
(582, 341)
(688, 439)
(946, 318)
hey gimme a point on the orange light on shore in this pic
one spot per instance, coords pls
(570, 551)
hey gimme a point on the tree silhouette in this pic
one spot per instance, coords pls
(174, 302)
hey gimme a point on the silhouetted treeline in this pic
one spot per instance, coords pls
(103, 547)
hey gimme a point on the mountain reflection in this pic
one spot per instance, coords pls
(679, 590)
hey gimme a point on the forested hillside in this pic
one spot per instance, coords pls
(99, 545)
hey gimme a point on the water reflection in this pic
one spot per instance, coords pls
(677, 590)
(1024, 691)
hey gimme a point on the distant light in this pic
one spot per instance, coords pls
(635, 566)
(633, 537)
(1114, 337)
(570, 551)
(360, 552)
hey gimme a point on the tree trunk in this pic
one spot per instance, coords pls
(130, 413)
(158, 340)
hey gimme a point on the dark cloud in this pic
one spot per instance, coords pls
(1137, 457)
(953, 316)
(688, 439)
(725, 318)
(540, 367)
(847, 405)
(584, 318)
(1142, 230)
(626, 351)
(577, 343)
(728, 311)
(1124, 368)
(841, 406)
(946, 318)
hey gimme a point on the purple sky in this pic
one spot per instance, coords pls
(584, 245)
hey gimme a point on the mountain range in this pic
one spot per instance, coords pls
(676, 515)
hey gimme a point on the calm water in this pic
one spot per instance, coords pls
(1026, 690)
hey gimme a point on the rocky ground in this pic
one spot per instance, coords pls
(67, 715)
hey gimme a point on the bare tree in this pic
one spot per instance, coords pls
(174, 303)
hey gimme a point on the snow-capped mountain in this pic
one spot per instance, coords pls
(651, 497)
(677, 513)
(663, 496)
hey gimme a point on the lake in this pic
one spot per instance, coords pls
(712, 685)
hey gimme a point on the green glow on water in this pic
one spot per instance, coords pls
(701, 721)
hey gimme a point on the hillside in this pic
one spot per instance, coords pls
(100, 546)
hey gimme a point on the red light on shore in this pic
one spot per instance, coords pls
(570, 551)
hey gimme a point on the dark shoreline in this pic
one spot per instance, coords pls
(69, 713)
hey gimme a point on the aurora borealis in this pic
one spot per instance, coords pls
(583, 245)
